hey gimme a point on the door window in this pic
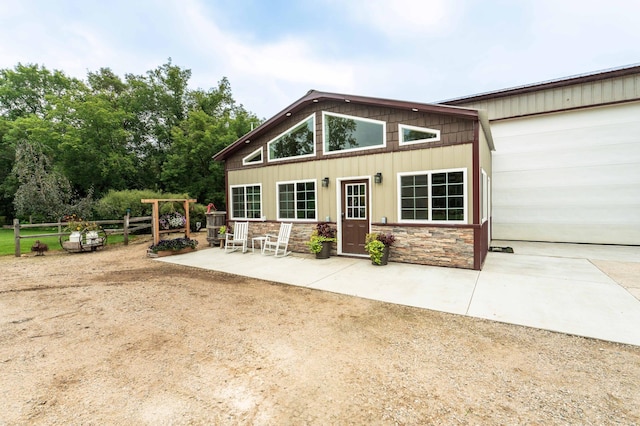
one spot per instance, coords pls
(356, 201)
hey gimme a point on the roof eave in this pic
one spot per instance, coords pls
(550, 84)
(314, 96)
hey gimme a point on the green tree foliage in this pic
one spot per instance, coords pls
(8, 181)
(212, 124)
(93, 149)
(108, 133)
(30, 89)
(43, 192)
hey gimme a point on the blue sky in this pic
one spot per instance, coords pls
(273, 52)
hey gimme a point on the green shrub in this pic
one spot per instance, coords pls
(114, 204)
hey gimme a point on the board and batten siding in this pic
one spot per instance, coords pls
(606, 91)
(383, 196)
(572, 176)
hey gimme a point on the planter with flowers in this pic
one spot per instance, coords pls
(172, 220)
(378, 246)
(173, 246)
(321, 239)
(84, 235)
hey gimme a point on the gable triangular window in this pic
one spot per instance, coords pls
(254, 158)
(413, 134)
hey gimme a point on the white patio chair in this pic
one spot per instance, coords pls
(237, 239)
(278, 243)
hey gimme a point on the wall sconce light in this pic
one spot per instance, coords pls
(325, 182)
(378, 177)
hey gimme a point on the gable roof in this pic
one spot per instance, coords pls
(314, 96)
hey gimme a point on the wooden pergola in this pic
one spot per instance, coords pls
(155, 222)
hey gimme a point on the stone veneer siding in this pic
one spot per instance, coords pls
(300, 234)
(430, 245)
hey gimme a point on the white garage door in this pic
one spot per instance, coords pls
(568, 177)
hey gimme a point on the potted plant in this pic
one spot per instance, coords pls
(221, 235)
(77, 226)
(321, 239)
(378, 246)
(173, 246)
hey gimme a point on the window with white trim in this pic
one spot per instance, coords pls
(347, 133)
(412, 134)
(433, 196)
(297, 141)
(297, 200)
(246, 201)
(254, 158)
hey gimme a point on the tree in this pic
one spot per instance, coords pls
(43, 192)
(142, 132)
(158, 102)
(213, 122)
(8, 182)
(93, 146)
(28, 89)
(26, 94)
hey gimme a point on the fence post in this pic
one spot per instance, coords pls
(126, 229)
(16, 235)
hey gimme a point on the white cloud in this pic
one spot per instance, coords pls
(287, 59)
(404, 18)
(402, 49)
(269, 74)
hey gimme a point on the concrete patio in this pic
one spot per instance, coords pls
(554, 287)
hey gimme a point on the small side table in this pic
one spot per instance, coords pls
(258, 239)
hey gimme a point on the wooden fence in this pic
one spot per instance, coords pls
(129, 225)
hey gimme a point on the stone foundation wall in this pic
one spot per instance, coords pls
(428, 245)
(435, 246)
(300, 234)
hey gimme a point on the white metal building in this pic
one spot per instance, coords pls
(567, 162)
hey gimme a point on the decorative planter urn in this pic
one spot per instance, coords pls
(326, 250)
(385, 257)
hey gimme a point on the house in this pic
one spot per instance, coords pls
(420, 171)
(567, 161)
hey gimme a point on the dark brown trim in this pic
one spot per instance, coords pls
(477, 214)
(550, 84)
(426, 225)
(481, 234)
(227, 196)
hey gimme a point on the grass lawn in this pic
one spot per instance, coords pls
(7, 245)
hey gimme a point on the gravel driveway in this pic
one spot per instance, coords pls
(113, 337)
